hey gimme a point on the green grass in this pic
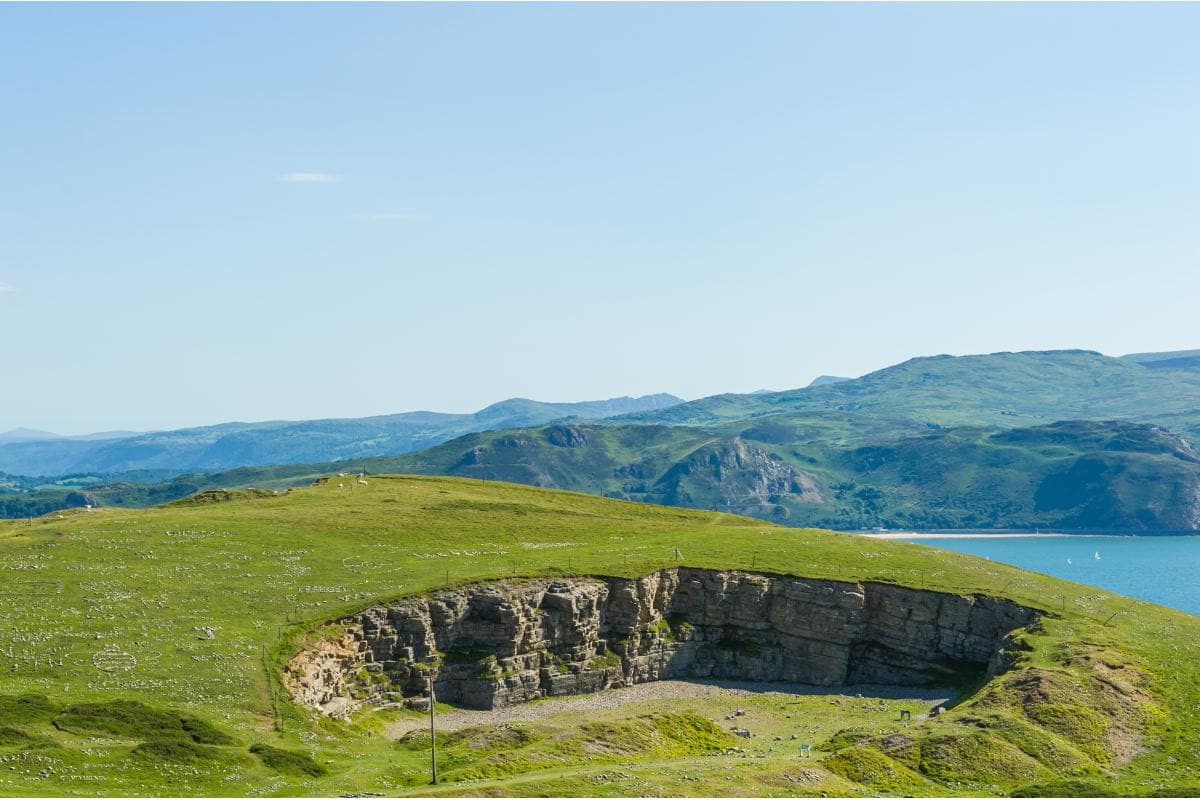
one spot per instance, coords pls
(27, 708)
(131, 719)
(287, 762)
(881, 775)
(14, 737)
(178, 751)
(109, 609)
(609, 659)
(475, 754)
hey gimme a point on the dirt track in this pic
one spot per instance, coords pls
(613, 699)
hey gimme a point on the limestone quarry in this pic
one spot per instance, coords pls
(495, 644)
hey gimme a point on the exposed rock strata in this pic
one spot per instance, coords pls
(495, 644)
(733, 474)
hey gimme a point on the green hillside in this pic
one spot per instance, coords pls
(1003, 389)
(142, 652)
(1069, 475)
(805, 471)
(238, 444)
(914, 445)
(819, 470)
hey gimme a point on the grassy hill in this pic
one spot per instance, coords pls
(806, 471)
(1001, 389)
(142, 652)
(823, 470)
(237, 444)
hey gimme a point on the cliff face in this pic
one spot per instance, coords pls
(495, 644)
(734, 475)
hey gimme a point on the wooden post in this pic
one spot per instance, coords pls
(432, 736)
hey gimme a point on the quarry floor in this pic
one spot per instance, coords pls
(778, 709)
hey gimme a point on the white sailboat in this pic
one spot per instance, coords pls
(1097, 556)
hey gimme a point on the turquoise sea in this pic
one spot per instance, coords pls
(1161, 569)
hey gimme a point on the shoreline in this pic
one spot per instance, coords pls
(977, 535)
(1015, 535)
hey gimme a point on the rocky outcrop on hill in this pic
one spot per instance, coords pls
(566, 436)
(733, 474)
(495, 644)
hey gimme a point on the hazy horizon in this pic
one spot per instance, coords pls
(97, 432)
(223, 212)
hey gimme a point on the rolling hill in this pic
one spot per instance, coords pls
(1077, 475)
(1069, 440)
(237, 444)
(1071, 475)
(1177, 359)
(154, 652)
(1001, 389)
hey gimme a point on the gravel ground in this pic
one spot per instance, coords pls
(613, 699)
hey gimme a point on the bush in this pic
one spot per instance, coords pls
(25, 708)
(14, 737)
(129, 719)
(287, 762)
(176, 751)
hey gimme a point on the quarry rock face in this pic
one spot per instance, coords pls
(495, 644)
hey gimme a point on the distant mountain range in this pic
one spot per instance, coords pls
(31, 435)
(1002, 389)
(822, 380)
(237, 444)
(1179, 359)
(1062, 439)
(1059, 439)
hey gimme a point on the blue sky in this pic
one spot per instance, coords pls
(217, 212)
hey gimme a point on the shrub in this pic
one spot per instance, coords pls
(130, 719)
(14, 737)
(177, 751)
(287, 762)
(25, 708)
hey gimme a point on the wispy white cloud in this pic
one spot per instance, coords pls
(6, 289)
(309, 177)
(395, 216)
